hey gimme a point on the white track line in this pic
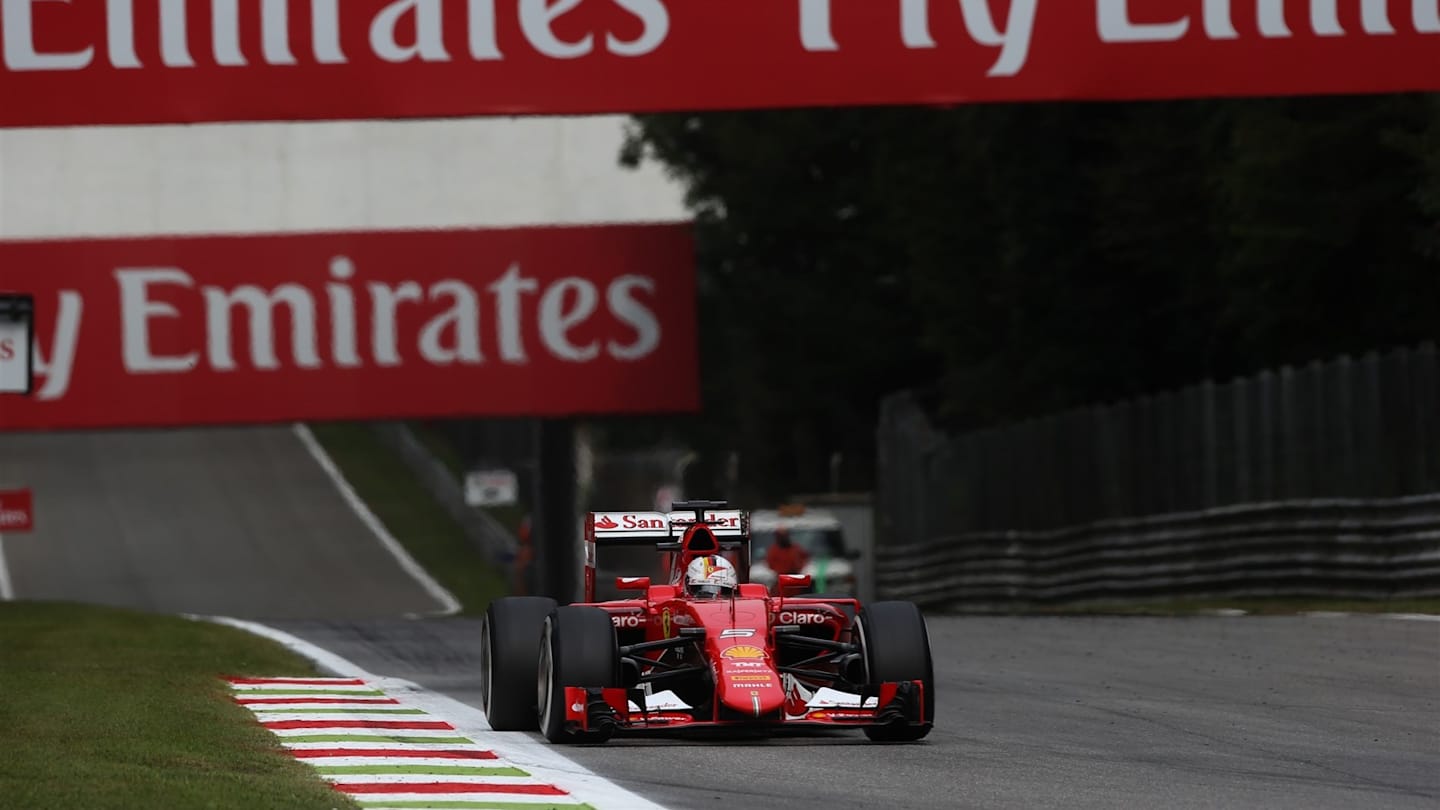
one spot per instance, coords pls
(293, 716)
(419, 762)
(475, 799)
(360, 745)
(524, 751)
(7, 590)
(304, 689)
(450, 605)
(290, 705)
(326, 660)
(1335, 614)
(422, 778)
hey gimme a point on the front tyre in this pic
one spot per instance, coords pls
(509, 645)
(577, 648)
(896, 646)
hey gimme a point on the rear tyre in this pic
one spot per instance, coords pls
(509, 652)
(896, 646)
(577, 648)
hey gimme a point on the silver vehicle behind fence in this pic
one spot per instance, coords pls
(831, 564)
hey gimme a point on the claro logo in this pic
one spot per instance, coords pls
(345, 322)
(798, 617)
(401, 31)
(627, 620)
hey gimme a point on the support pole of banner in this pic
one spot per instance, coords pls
(556, 523)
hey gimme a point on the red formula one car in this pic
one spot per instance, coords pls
(706, 649)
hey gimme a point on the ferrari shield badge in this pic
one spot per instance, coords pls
(743, 651)
(665, 622)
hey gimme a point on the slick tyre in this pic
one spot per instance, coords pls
(509, 653)
(577, 648)
(896, 647)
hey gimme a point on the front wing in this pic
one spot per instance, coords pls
(618, 709)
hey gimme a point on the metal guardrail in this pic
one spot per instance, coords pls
(484, 532)
(1345, 548)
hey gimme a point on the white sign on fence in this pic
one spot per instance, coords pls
(491, 488)
(16, 374)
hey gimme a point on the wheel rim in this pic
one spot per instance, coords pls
(864, 649)
(545, 679)
(486, 665)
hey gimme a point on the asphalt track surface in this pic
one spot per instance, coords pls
(1242, 712)
(1055, 712)
(235, 522)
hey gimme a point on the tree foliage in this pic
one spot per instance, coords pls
(1012, 260)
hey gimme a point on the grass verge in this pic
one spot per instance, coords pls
(106, 708)
(386, 485)
(440, 447)
(1277, 606)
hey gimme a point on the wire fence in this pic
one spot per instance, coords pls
(1355, 428)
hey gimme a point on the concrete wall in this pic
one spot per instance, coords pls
(237, 178)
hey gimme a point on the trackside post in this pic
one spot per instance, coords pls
(556, 529)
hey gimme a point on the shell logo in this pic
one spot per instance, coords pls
(743, 651)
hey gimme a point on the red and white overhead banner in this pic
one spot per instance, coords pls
(146, 61)
(249, 329)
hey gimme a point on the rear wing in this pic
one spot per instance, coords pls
(666, 532)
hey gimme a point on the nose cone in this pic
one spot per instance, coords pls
(750, 687)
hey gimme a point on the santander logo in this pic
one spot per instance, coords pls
(605, 522)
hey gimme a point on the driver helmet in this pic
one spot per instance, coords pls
(710, 577)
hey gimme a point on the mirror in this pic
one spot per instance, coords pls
(789, 583)
(632, 583)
